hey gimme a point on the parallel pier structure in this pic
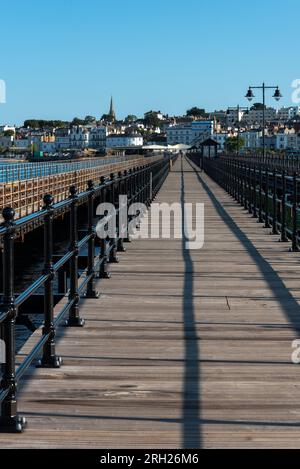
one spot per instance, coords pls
(24, 191)
(185, 348)
(139, 184)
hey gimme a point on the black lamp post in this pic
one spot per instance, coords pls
(277, 95)
(238, 109)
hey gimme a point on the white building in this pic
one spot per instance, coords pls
(252, 138)
(47, 147)
(255, 116)
(6, 142)
(22, 143)
(158, 114)
(288, 113)
(221, 138)
(124, 141)
(62, 139)
(188, 134)
(287, 141)
(233, 116)
(79, 137)
(98, 138)
(4, 128)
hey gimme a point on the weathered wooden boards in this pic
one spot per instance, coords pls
(184, 348)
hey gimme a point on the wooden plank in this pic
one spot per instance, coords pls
(184, 348)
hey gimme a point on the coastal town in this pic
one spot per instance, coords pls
(149, 232)
(234, 127)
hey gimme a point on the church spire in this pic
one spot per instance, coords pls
(112, 113)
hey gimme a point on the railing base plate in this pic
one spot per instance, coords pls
(91, 296)
(54, 362)
(106, 275)
(12, 425)
(77, 322)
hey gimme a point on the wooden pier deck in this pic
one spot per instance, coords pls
(185, 349)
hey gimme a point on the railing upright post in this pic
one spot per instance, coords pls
(267, 221)
(113, 258)
(120, 209)
(260, 217)
(74, 317)
(254, 192)
(233, 179)
(246, 192)
(236, 180)
(250, 192)
(127, 176)
(284, 238)
(274, 221)
(295, 247)
(240, 182)
(91, 289)
(242, 185)
(103, 257)
(49, 358)
(144, 185)
(10, 421)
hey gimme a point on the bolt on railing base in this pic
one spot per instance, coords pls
(104, 275)
(12, 425)
(95, 295)
(121, 247)
(53, 362)
(283, 240)
(75, 322)
(114, 260)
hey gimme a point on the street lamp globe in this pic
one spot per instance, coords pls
(277, 94)
(249, 95)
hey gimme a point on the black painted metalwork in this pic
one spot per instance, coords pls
(266, 191)
(49, 358)
(137, 184)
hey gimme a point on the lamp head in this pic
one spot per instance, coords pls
(249, 95)
(277, 94)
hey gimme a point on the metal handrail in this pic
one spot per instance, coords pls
(140, 185)
(262, 190)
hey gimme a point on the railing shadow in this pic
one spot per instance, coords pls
(191, 429)
(281, 293)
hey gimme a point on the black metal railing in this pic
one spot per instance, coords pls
(140, 185)
(271, 196)
(288, 161)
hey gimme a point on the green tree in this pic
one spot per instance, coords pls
(41, 123)
(196, 112)
(89, 119)
(151, 120)
(258, 107)
(9, 133)
(234, 144)
(130, 118)
(106, 118)
(77, 121)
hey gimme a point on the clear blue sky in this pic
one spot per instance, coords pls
(62, 59)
